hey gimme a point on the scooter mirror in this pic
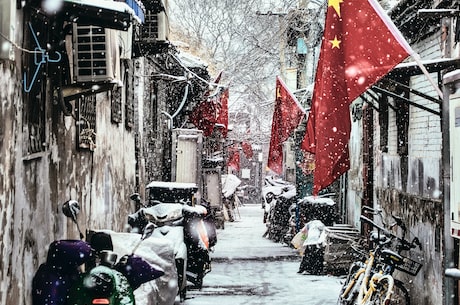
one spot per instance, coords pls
(71, 209)
(148, 230)
(135, 197)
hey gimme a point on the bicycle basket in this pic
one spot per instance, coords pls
(409, 266)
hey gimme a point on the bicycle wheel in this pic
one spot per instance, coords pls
(352, 294)
(400, 295)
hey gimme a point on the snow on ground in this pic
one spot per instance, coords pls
(251, 270)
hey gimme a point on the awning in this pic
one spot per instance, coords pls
(103, 13)
(408, 69)
(391, 81)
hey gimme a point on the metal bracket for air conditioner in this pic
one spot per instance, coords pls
(41, 57)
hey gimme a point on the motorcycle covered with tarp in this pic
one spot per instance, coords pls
(186, 223)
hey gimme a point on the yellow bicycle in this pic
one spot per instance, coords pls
(371, 281)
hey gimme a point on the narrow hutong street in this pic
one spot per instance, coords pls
(288, 131)
(250, 269)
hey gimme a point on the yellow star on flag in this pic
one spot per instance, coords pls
(335, 43)
(335, 4)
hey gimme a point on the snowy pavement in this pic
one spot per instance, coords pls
(251, 270)
(242, 239)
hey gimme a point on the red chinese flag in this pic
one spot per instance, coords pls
(203, 116)
(360, 45)
(286, 117)
(222, 119)
(247, 149)
(234, 159)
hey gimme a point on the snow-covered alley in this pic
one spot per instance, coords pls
(249, 269)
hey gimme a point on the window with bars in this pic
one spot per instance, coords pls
(129, 97)
(402, 119)
(93, 55)
(86, 123)
(402, 124)
(401, 109)
(155, 27)
(383, 122)
(116, 114)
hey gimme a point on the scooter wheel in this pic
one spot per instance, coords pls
(199, 281)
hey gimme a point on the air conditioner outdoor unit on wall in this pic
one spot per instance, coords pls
(96, 55)
(155, 27)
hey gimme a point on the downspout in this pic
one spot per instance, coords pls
(171, 117)
(448, 283)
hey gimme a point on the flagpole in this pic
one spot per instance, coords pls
(416, 57)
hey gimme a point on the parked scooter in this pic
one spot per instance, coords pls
(59, 281)
(53, 280)
(158, 251)
(200, 236)
(185, 225)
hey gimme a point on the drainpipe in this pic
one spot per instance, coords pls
(448, 283)
(171, 117)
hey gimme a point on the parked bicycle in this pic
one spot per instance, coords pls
(371, 281)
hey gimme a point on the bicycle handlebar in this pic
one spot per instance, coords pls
(371, 222)
(372, 211)
(404, 244)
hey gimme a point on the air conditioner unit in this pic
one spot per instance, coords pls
(96, 55)
(155, 27)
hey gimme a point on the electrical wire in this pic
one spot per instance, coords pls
(17, 46)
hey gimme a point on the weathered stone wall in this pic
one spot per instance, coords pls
(413, 191)
(157, 134)
(32, 189)
(424, 220)
(409, 186)
(9, 126)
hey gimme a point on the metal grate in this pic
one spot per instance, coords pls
(154, 28)
(129, 96)
(150, 27)
(92, 54)
(86, 124)
(116, 114)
